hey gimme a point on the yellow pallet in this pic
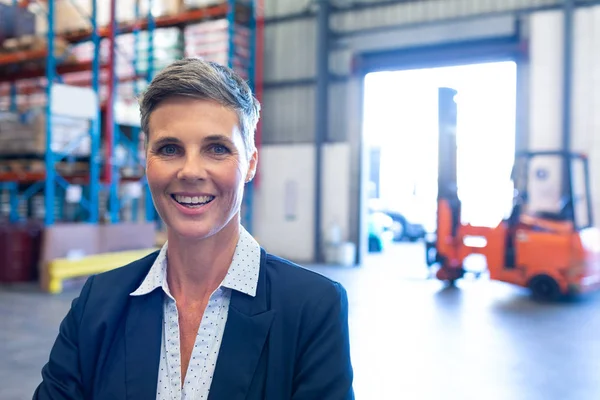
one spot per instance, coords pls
(62, 268)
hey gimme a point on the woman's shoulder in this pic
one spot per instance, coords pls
(123, 280)
(297, 278)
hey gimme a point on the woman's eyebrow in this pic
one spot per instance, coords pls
(217, 138)
(166, 140)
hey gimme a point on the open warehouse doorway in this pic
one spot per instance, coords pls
(401, 124)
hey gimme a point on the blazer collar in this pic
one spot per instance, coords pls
(246, 332)
(248, 325)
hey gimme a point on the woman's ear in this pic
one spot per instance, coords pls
(252, 165)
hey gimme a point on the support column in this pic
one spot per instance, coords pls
(321, 120)
(568, 32)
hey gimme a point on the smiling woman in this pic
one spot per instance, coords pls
(196, 168)
(211, 315)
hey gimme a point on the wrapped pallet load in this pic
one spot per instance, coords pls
(74, 15)
(192, 4)
(25, 133)
(15, 22)
(211, 40)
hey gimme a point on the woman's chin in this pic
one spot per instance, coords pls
(190, 231)
(186, 229)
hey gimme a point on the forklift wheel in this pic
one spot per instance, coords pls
(544, 288)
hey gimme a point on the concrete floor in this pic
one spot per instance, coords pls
(411, 338)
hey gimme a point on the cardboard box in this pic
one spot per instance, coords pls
(62, 239)
(15, 22)
(26, 133)
(68, 18)
(161, 7)
(24, 22)
(192, 4)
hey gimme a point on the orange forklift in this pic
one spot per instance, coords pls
(548, 243)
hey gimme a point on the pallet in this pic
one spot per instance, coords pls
(24, 43)
(32, 43)
(22, 167)
(33, 50)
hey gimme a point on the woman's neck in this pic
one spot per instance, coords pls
(196, 268)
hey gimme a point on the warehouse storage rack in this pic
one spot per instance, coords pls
(22, 185)
(104, 175)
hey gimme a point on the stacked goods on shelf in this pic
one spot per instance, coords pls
(18, 34)
(5, 22)
(193, 4)
(34, 58)
(25, 133)
(67, 16)
(160, 8)
(167, 46)
(211, 40)
(4, 203)
(131, 61)
(134, 59)
(72, 135)
(31, 94)
(73, 15)
(15, 22)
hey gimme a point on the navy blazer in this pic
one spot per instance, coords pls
(290, 341)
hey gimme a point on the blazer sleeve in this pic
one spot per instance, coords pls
(323, 368)
(61, 376)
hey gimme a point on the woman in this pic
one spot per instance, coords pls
(212, 315)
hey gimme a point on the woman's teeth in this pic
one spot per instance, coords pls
(195, 201)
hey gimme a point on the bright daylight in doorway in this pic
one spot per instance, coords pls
(401, 126)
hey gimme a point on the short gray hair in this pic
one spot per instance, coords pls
(205, 80)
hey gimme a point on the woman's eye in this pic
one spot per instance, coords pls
(168, 150)
(220, 149)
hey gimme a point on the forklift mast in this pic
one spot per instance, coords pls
(447, 155)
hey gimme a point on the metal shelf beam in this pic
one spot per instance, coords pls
(191, 16)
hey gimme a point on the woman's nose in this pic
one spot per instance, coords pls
(193, 168)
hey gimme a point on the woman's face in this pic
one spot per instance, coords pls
(197, 166)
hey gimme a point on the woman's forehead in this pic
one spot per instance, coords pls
(193, 116)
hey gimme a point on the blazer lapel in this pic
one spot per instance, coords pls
(246, 332)
(143, 336)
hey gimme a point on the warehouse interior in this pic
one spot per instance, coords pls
(400, 131)
(468, 127)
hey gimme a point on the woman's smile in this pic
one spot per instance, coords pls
(192, 204)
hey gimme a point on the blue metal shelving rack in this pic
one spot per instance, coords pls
(53, 184)
(53, 178)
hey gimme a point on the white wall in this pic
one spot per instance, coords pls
(545, 53)
(546, 96)
(586, 96)
(418, 12)
(284, 198)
